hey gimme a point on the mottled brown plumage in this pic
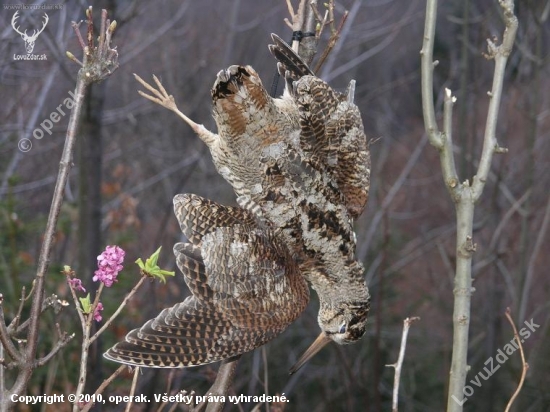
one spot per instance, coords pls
(300, 168)
(331, 130)
(246, 289)
(307, 209)
(323, 126)
(313, 180)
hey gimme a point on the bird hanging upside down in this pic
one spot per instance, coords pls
(300, 167)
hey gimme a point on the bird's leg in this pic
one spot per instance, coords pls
(161, 97)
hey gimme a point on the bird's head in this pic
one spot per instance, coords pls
(342, 320)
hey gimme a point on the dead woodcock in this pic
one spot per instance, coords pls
(300, 168)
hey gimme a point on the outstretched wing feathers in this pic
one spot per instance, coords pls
(245, 290)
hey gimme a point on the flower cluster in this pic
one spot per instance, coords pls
(76, 284)
(109, 265)
(97, 310)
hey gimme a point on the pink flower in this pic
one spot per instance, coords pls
(76, 284)
(109, 264)
(97, 315)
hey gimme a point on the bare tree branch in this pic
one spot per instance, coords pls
(119, 309)
(463, 194)
(64, 338)
(133, 389)
(223, 382)
(500, 55)
(439, 140)
(102, 387)
(5, 340)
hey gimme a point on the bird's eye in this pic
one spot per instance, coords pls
(342, 328)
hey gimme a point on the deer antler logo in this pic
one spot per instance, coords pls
(29, 40)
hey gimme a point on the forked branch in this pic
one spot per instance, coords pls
(464, 194)
(399, 364)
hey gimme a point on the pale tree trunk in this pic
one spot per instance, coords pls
(464, 194)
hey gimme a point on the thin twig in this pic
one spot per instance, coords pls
(5, 340)
(448, 162)
(119, 309)
(77, 305)
(46, 304)
(398, 365)
(523, 362)
(64, 338)
(322, 20)
(104, 384)
(331, 43)
(83, 356)
(439, 140)
(15, 321)
(133, 389)
(500, 54)
(86, 341)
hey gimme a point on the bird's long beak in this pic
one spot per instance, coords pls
(315, 347)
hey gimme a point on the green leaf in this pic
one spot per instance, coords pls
(150, 267)
(86, 304)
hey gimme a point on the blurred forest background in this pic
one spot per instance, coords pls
(134, 156)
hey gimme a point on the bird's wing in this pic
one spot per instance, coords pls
(198, 216)
(349, 163)
(250, 268)
(246, 290)
(191, 333)
(332, 136)
(182, 335)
